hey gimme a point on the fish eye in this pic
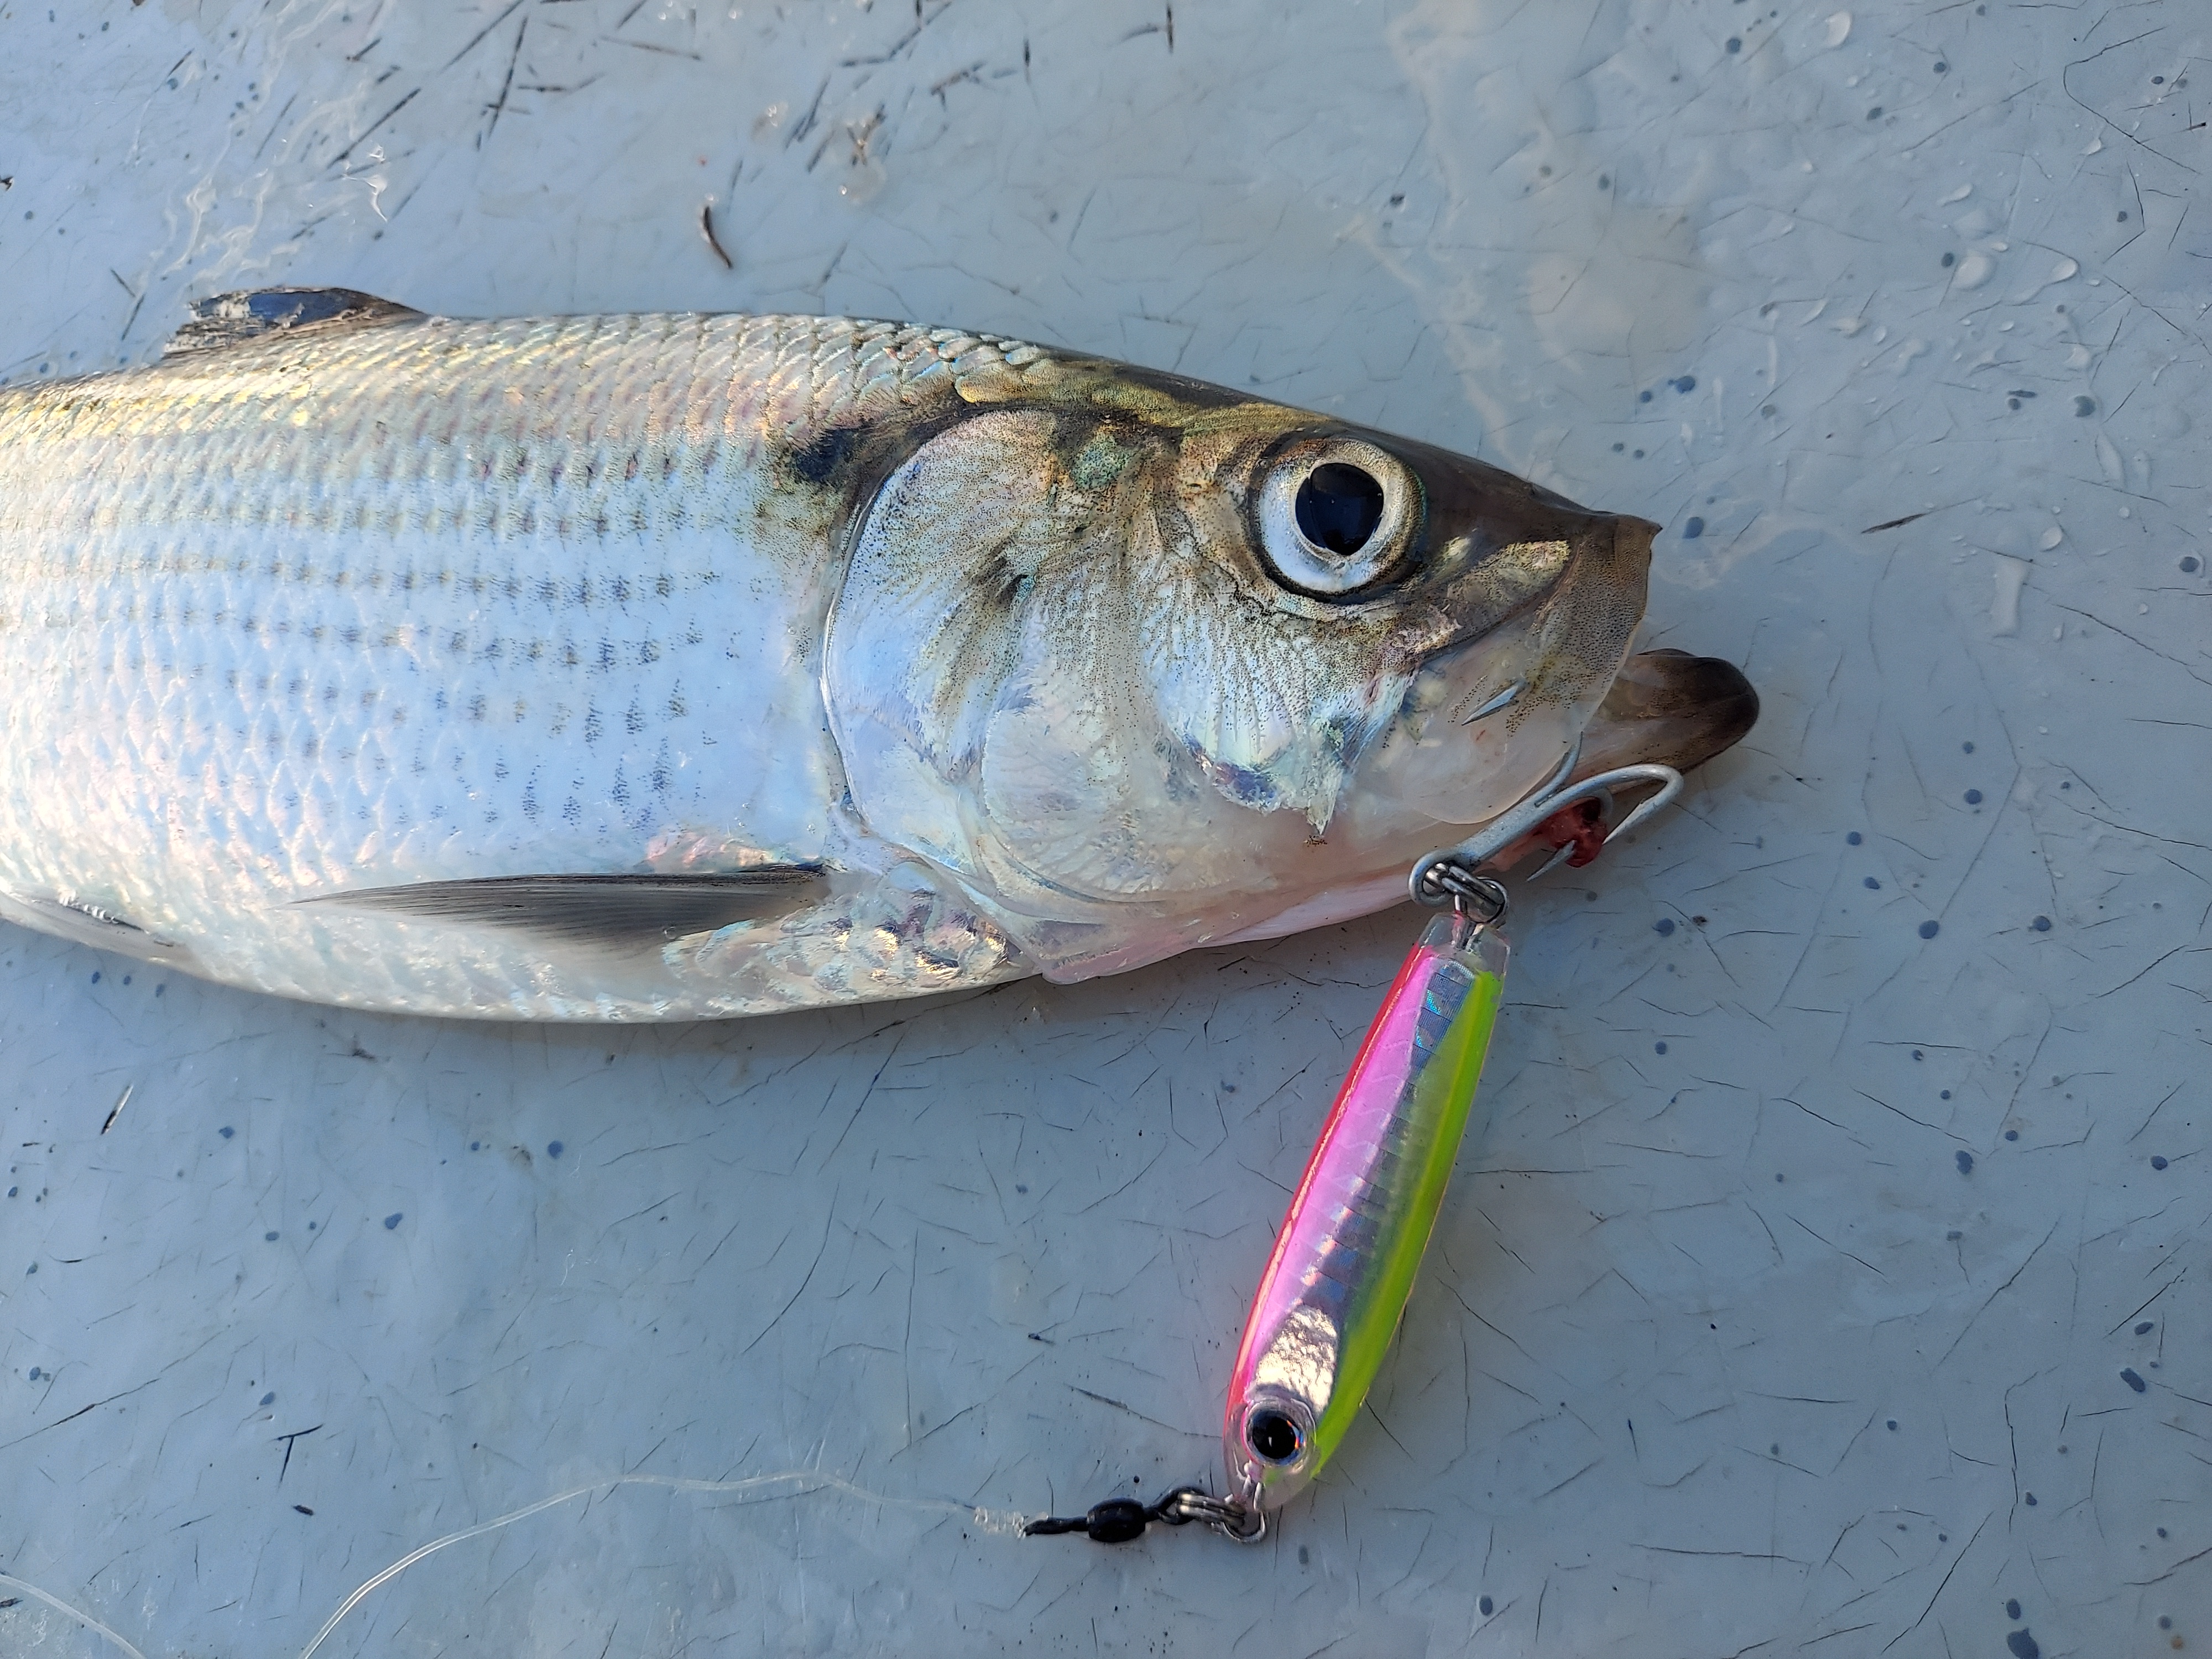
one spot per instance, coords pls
(1339, 507)
(1335, 515)
(1273, 1437)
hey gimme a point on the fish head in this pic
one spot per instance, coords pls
(1144, 663)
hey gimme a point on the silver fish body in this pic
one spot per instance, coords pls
(681, 667)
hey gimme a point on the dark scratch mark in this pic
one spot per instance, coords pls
(1123, 1406)
(117, 1110)
(2185, 1561)
(1932, 1600)
(820, 1250)
(1998, 1292)
(707, 229)
(296, 1434)
(647, 45)
(2154, 1296)
(363, 137)
(499, 104)
(274, 124)
(1569, 1481)
(1895, 523)
(814, 114)
(478, 38)
(1840, 1250)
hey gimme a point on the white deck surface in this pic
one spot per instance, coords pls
(1723, 1347)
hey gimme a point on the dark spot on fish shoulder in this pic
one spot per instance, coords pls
(828, 454)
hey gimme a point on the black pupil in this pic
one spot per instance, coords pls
(1272, 1435)
(1339, 507)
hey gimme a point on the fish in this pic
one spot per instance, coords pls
(693, 666)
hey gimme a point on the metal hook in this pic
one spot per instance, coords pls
(1430, 887)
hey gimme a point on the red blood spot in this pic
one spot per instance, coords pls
(1581, 826)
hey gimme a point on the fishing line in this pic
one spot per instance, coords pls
(803, 1481)
(68, 1612)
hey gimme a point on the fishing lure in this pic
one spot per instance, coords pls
(1359, 1225)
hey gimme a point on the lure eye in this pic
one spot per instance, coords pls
(1335, 515)
(1273, 1437)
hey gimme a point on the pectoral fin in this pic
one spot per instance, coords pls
(601, 910)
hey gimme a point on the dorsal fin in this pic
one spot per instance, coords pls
(605, 910)
(228, 320)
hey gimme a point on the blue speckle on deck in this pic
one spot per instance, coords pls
(2041, 924)
(1658, 1047)
(1973, 798)
(1950, 259)
(29, 1271)
(552, 1149)
(2189, 564)
(2134, 1382)
(1664, 927)
(1642, 397)
(2012, 1610)
(1486, 1606)
(1930, 928)
(475, 1145)
(1685, 383)
(2021, 1644)
(1966, 1161)
(1853, 839)
(1692, 528)
(1872, 885)
(2145, 1329)
(391, 1220)
(226, 1131)
(2012, 1134)
(1892, 1425)
(2158, 1164)
(95, 976)
(1946, 1094)
(269, 1238)
(2085, 406)
(2030, 1503)
(269, 1398)
(34, 1373)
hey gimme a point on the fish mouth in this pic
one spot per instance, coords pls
(1669, 707)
